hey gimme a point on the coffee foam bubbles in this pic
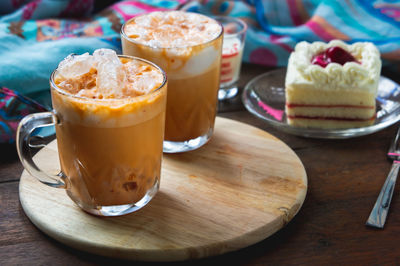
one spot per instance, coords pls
(104, 75)
(114, 92)
(172, 29)
(179, 42)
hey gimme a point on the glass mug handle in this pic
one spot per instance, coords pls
(24, 136)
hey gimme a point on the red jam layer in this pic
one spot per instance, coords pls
(333, 54)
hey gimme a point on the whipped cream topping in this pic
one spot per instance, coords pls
(184, 44)
(350, 76)
(172, 29)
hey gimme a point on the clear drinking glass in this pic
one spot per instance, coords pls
(232, 53)
(193, 81)
(110, 150)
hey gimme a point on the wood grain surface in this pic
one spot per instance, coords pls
(237, 190)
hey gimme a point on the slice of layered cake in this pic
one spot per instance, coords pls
(332, 85)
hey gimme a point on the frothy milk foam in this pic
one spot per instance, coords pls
(109, 83)
(179, 38)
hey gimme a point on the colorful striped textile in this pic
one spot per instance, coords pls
(275, 26)
(35, 35)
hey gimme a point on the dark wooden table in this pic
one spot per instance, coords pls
(344, 180)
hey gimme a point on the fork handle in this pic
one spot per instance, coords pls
(378, 214)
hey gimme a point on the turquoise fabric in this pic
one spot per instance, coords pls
(26, 65)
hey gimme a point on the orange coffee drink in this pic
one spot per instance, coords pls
(188, 47)
(110, 120)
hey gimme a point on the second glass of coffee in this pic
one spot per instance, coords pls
(188, 47)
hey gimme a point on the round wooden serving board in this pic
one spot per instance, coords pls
(238, 189)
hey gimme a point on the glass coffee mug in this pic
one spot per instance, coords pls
(110, 150)
(188, 47)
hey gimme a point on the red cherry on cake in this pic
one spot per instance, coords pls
(333, 54)
(339, 55)
(320, 59)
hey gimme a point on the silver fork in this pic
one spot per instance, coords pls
(378, 214)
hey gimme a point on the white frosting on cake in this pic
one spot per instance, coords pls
(351, 76)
